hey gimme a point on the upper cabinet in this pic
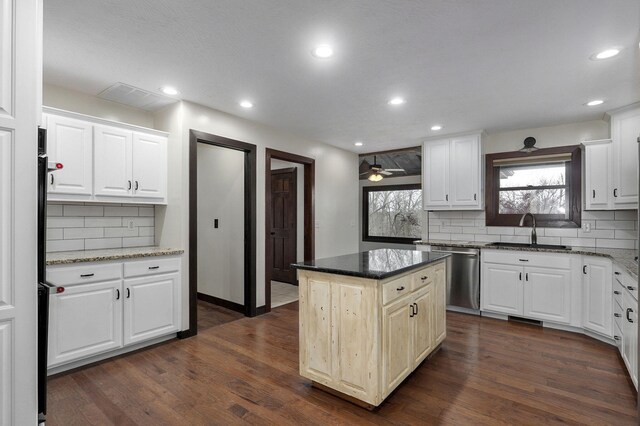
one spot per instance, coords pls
(452, 173)
(611, 165)
(105, 161)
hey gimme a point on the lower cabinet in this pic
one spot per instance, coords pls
(597, 295)
(626, 320)
(363, 337)
(85, 320)
(527, 284)
(98, 311)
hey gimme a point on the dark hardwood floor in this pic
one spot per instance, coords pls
(488, 372)
(210, 315)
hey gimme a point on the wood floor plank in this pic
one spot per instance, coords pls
(245, 371)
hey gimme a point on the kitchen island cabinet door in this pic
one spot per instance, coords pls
(112, 162)
(423, 325)
(501, 289)
(85, 319)
(151, 307)
(547, 294)
(397, 329)
(440, 304)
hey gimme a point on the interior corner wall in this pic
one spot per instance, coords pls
(400, 180)
(72, 100)
(336, 184)
(279, 164)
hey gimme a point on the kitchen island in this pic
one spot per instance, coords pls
(367, 320)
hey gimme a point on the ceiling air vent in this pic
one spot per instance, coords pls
(137, 98)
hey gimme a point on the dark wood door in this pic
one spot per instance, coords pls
(283, 224)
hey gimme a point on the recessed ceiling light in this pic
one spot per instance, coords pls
(322, 51)
(436, 127)
(595, 102)
(168, 90)
(605, 54)
(246, 104)
(358, 144)
(396, 101)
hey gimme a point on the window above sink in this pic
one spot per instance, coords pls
(545, 182)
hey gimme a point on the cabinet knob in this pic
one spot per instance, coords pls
(616, 292)
(616, 337)
(617, 315)
(630, 288)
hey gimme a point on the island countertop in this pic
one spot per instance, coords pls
(373, 264)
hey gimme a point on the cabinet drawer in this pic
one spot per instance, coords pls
(625, 280)
(68, 275)
(618, 313)
(396, 288)
(157, 265)
(617, 335)
(423, 277)
(528, 258)
(618, 290)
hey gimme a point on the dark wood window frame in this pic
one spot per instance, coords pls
(365, 213)
(574, 176)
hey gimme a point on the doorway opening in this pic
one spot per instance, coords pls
(222, 227)
(289, 224)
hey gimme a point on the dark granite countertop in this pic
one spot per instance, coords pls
(623, 257)
(372, 264)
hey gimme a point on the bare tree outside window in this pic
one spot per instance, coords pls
(534, 188)
(393, 212)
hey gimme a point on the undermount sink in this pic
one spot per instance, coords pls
(527, 245)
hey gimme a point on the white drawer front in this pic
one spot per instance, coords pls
(90, 273)
(528, 258)
(624, 279)
(151, 266)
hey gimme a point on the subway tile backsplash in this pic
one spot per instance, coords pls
(79, 226)
(609, 229)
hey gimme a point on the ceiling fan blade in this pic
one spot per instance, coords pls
(395, 170)
(385, 172)
(365, 173)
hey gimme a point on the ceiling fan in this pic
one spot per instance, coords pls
(376, 171)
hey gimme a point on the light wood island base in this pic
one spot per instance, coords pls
(360, 337)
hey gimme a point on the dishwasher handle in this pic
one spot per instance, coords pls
(456, 252)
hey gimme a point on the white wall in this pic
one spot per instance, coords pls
(400, 180)
(336, 184)
(71, 100)
(279, 164)
(221, 196)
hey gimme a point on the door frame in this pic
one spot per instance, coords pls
(250, 174)
(309, 211)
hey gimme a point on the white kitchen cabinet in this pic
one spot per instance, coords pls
(452, 173)
(598, 174)
(547, 294)
(502, 289)
(630, 335)
(105, 161)
(85, 320)
(625, 130)
(528, 284)
(113, 172)
(597, 295)
(151, 307)
(69, 142)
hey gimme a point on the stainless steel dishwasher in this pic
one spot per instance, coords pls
(463, 278)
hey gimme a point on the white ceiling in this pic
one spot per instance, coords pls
(466, 64)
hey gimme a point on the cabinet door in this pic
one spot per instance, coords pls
(397, 352)
(547, 294)
(84, 320)
(422, 323)
(149, 158)
(69, 142)
(464, 184)
(436, 174)
(597, 174)
(625, 130)
(113, 162)
(501, 289)
(151, 307)
(440, 304)
(597, 295)
(630, 335)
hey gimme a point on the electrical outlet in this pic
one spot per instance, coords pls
(131, 225)
(586, 227)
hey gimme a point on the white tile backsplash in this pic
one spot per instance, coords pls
(608, 229)
(80, 226)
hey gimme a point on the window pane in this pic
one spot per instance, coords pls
(395, 213)
(537, 201)
(532, 175)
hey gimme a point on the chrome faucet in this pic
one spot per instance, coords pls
(534, 236)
